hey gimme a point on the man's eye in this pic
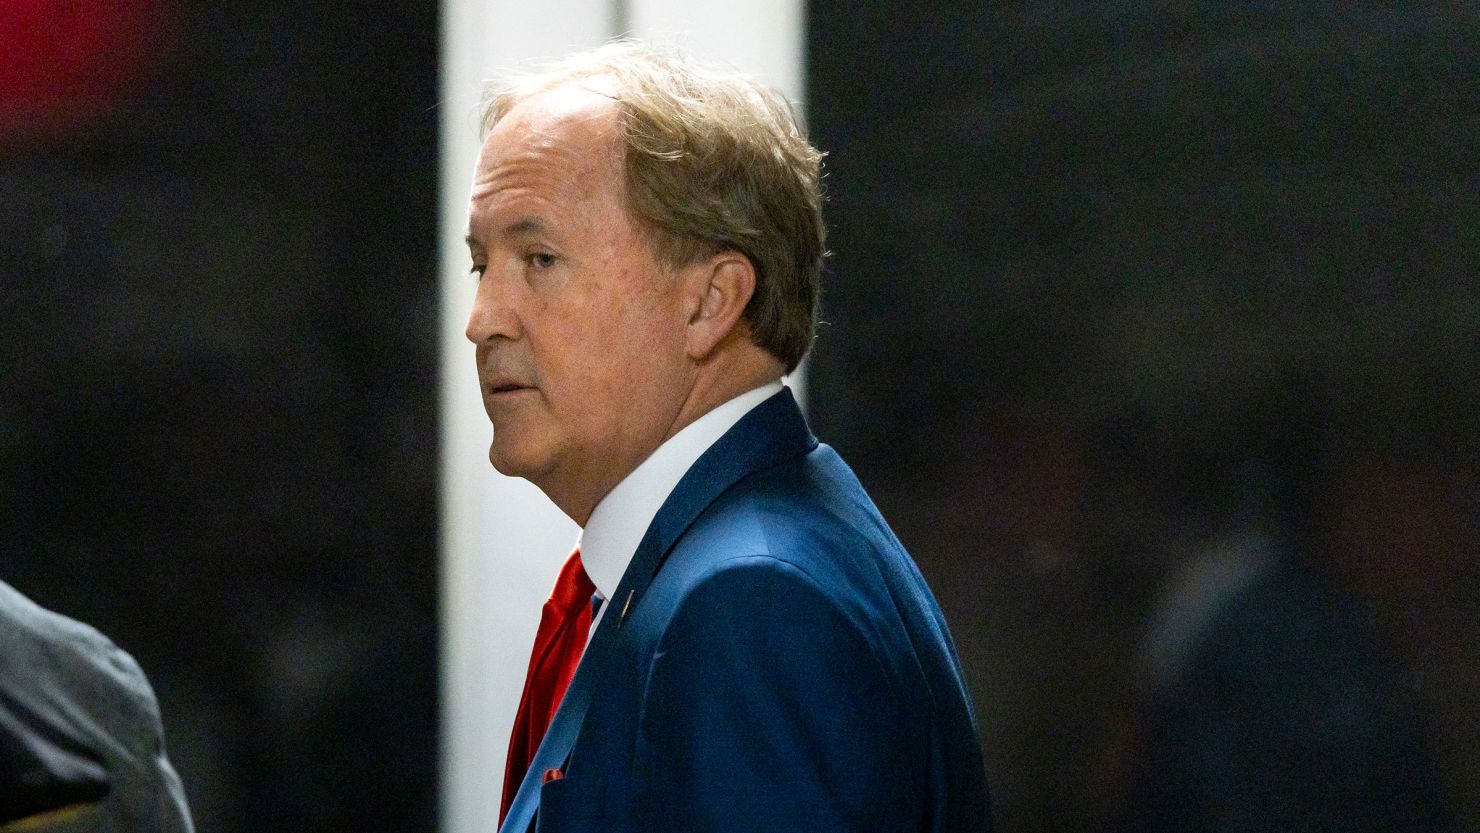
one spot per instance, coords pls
(477, 270)
(541, 260)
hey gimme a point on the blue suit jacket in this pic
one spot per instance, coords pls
(772, 661)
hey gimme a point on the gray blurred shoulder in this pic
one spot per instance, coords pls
(74, 678)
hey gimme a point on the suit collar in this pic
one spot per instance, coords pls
(773, 432)
(620, 520)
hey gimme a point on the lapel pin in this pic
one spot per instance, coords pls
(626, 606)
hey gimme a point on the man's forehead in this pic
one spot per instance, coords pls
(575, 97)
(554, 150)
(569, 111)
(567, 132)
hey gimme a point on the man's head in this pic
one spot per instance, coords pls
(648, 239)
(711, 161)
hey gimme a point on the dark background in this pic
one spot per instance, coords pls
(1150, 328)
(218, 406)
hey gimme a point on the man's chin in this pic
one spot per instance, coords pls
(501, 462)
(509, 462)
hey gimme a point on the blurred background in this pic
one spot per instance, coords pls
(217, 382)
(1151, 328)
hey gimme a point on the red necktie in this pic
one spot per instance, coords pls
(564, 626)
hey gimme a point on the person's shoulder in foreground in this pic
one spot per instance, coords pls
(648, 238)
(81, 744)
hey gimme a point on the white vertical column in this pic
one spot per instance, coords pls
(765, 38)
(502, 541)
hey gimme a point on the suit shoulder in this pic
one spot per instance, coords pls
(744, 601)
(813, 500)
(812, 513)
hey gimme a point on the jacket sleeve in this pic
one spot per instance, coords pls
(769, 708)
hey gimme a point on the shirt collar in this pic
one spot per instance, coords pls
(619, 521)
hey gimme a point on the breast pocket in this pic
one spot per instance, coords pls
(571, 805)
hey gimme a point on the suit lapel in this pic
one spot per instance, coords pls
(772, 433)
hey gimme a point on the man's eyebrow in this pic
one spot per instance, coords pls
(525, 226)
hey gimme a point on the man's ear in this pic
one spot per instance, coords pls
(723, 285)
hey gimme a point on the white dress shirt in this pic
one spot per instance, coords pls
(619, 521)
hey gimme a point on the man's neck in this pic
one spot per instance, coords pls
(726, 375)
(717, 380)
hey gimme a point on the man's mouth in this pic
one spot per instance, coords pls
(506, 387)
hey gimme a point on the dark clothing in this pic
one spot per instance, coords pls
(79, 726)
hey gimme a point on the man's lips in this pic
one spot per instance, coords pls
(498, 387)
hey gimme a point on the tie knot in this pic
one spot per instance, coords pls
(573, 587)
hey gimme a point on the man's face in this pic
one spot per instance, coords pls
(579, 330)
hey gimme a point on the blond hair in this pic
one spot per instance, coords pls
(712, 162)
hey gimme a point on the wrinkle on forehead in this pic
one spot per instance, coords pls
(567, 135)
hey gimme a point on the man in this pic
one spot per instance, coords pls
(647, 237)
(81, 748)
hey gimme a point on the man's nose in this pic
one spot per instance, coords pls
(493, 315)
